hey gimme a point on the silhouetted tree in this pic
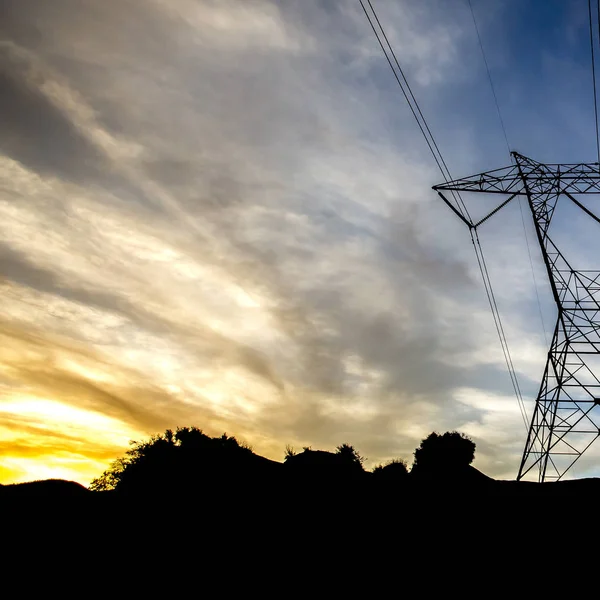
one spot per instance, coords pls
(185, 458)
(192, 439)
(289, 452)
(393, 470)
(447, 452)
(349, 453)
(324, 467)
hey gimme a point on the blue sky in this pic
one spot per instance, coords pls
(220, 214)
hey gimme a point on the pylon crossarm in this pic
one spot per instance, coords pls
(577, 178)
(498, 181)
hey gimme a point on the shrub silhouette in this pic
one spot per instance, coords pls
(448, 452)
(289, 452)
(189, 461)
(351, 455)
(395, 470)
(322, 465)
(186, 458)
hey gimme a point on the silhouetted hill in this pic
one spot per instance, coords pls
(576, 488)
(44, 489)
(188, 479)
(461, 476)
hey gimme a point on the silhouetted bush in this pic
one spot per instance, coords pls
(324, 466)
(189, 462)
(184, 460)
(289, 452)
(448, 452)
(395, 470)
(351, 455)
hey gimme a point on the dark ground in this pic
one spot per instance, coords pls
(303, 537)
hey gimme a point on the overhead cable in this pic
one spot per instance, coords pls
(508, 147)
(487, 68)
(444, 170)
(412, 102)
(594, 77)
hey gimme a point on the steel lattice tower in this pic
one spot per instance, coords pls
(566, 417)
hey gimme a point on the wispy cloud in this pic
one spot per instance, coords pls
(219, 213)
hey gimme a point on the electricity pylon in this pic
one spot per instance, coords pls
(566, 418)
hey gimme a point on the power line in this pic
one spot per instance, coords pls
(508, 148)
(594, 77)
(595, 103)
(482, 264)
(414, 105)
(401, 87)
(443, 167)
(414, 100)
(487, 68)
(535, 285)
(499, 327)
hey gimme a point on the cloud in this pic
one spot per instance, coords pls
(216, 214)
(35, 131)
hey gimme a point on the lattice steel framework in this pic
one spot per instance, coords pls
(566, 417)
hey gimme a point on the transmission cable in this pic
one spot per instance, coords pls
(487, 68)
(442, 166)
(476, 240)
(595, 103)
(414, 100)
(421, 122)
(499, 327)
(508, 147)
(594, 75)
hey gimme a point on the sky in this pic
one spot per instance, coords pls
(219, 213)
